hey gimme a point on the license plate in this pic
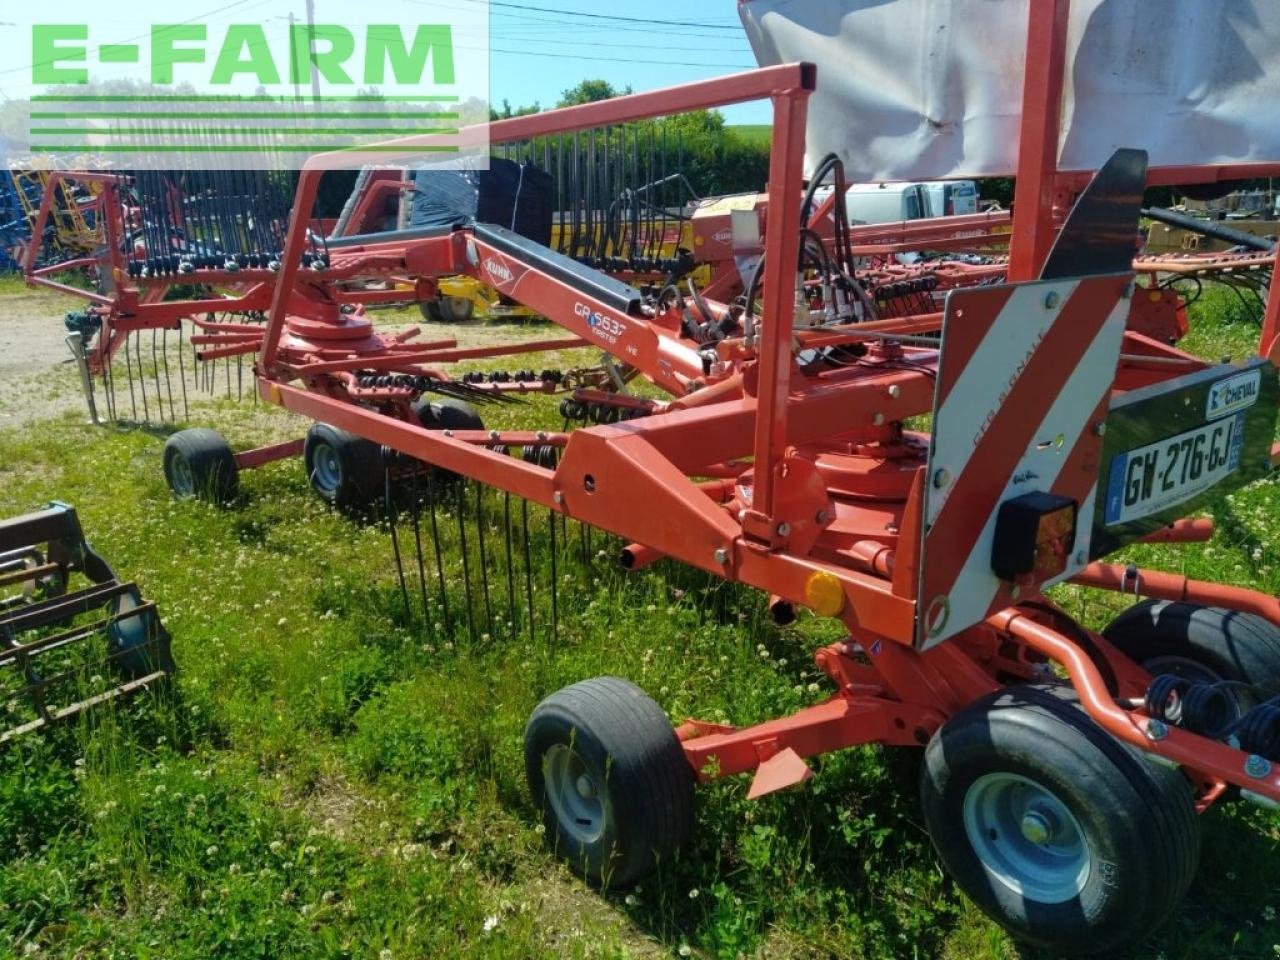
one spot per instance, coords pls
(1160, 475)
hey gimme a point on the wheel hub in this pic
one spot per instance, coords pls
(325, 467)
(574, 794)
(184, 481)
(1026, 838)
(1037, 826)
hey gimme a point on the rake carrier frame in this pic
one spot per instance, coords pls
(47, 623)
(806, 517)
(784, 461)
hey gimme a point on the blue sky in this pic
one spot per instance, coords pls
(538, 47)
(555, 51)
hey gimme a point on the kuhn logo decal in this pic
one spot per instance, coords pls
(498, 270)
(1234, 393)
(724, 236)
(606, 328)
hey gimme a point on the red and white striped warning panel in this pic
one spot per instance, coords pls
(1023, 387)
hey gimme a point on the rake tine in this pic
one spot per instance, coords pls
(528, 564)
(109, 389)
(142, 376)
(227, 369)
(575, 196)
(239, 377)
(417, 544)
(435, 539)
(168, 377)
(390, 502)
(582, 536)
(506, 525)
(484, 556)
(155, 372)
(128, 363)
(182, 374)
(560, 240)
(555, 613)
(461, 504)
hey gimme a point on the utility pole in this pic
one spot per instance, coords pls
(311, 49)
(297, 89)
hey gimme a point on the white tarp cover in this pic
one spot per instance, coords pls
(916, 89)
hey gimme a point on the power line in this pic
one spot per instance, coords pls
(651, 62)
(704, 25)
(639, 46)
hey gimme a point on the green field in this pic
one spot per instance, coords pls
(753, 132)
(331, 777)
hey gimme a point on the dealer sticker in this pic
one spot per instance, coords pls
(1233, 394)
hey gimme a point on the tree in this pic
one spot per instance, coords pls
(717, 160)
(507, 111)
(589, 91)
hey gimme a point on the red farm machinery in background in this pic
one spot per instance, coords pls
(1064, 767)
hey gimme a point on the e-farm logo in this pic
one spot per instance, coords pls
(245, 51)
(267, 94)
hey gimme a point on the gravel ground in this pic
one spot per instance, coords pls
(37, 378)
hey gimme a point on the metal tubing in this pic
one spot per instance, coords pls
(782, 251)
(1038, 137)
(1187, 749)
(1173, 586)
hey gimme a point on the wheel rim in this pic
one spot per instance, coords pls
(1026, 837)
(458, 308)
(181, 477)
(326, 470)
(574, 794)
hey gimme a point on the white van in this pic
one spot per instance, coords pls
(889, 202)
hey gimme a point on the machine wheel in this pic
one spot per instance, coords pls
(448, 414)
(136, 644)
(1060, 833)
(612, 782)
(343, 469)
(448, 310)
(1201, 644)
(199, 463)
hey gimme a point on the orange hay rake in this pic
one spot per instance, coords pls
(1063, 767)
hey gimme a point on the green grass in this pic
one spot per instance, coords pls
(11, 282)
(333, 778)
(753, 132)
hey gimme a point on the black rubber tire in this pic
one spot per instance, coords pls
(447, 310)
(456, 309)
(199, 463)
(1228, 644)
(447, 414)
(1137, 817)
(353, 478)
(629, 750)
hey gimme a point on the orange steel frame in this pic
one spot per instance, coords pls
(754, 421)
(756, 424)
